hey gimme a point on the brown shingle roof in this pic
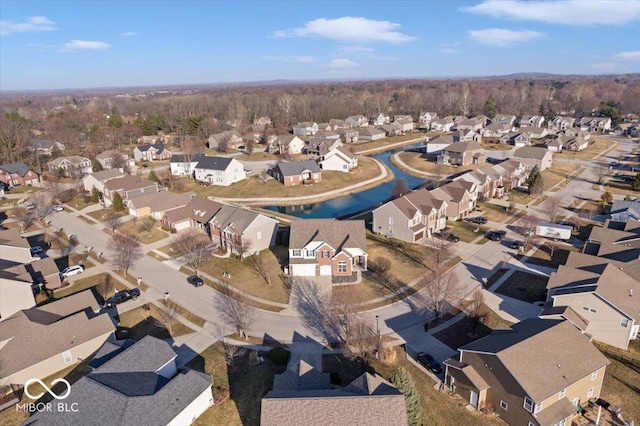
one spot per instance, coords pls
(461, 147)
(336, 233)
(11, 237)
(129, 183)
(161, 201)
(530, 152)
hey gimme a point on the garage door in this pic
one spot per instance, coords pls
(303, 270)
(325, 270)
(418, 236)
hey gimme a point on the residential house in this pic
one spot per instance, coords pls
(241, 231)
(113, 157)
(483, 118)
(513, 173)
(595, 124)
(73, 166)
(428, 117)
(319, 147)
(263, 121)
(442, 125)
(303, 395)
(150, 139)
(39, 273)
(325, 127)
(184, 164)
(461, 154)
(488, 179)
(626, 129)
(137, 383)
(16, 294)
(155, 152)
(297, 172)
(517, 139)
(339, 160)
(529, 374)
(196, 214)
(623, 211)
(404, 123)
(98, 179)
(325, 134)
(307, 128)
(229, 139)
(380, 120)
(348, 135)
(338, 124)
(14, 174)
(411, 217)
(572, 143)
(532, 156)
(370, 133)
(473, 124)
(604, 298)
(532, 121)
(534, 132)
(436, 144)
(157, 204)
(220, 171)
(328, 247)
(496, 130)
(14, 248)
(554, 145)
(460, 197)
(287, 145)
(254, 138)
(129, 187)
(40, 341)
(560, 123)
(466, 136)
(356, 121)
(505, 119)
(390, 130)
(619, 244)
(45, 147)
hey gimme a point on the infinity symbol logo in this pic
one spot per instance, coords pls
(52, 393)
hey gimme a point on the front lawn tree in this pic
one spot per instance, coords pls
(234, 312)
(553, 207)
(403, 381)
(193, 248)
(125, 250)
(118, 204)
(400, 188)
(535, 181)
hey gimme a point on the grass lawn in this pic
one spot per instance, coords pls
(13, 417)
(78, 202)
(245, 279)
(426, 163)
(187, 315)
(247, 385)
(542, 256)
(146, 237)
(524, 286)
(146, 320)
(24, 189)
(168, 250)
(382, 144)
(98, 214)
(622, 379)
(466, 230)
(520, 197)
(81, 284)
(438, 409)
(494, 212)
(596, 146)
(459, 334)
(621, 188)
(252, 187)
(257, 155)
(559, 171)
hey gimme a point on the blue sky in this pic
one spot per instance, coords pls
(54, 45)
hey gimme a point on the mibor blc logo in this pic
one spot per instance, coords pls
(57, 407)
(46, 388)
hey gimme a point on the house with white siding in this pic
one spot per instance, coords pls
(221, 171)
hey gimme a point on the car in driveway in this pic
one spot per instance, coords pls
(195, 281)
(71, 270)
(516, 244)
(57, 208)
(429, 362)
(497, 235)
(36, 250)
(121, 297)
(480, 220)
(448, 236)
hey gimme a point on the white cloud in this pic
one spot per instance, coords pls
(628, 56)
(342, 63)
(350, 29)
(502, 37)
(33, 24)
(603, 66)
(76, 45)
(450, 49)
(298, 59)
(568, 12)
(129, 34)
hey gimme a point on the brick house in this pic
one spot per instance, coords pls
(297, 173)
(15, 174)
(242, 231)
(73, 166)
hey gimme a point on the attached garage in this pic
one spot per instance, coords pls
(308, 270)
(418, 236)
(325, 270)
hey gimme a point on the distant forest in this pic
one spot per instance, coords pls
(89, 121)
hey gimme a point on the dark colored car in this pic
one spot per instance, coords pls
(516, 245)
(121, 297)
(497, 235)
(429, 362)
(446, 235)
(195, 281)
(481, 220)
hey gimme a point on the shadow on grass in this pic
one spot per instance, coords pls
(147, 327)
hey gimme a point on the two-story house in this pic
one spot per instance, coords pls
(442, 125)
(328, 247)
(114, 157)
(347, 135)
(428, 117)
(532, 121)
(560, 123)
(536, 373)
(595, 124)
(98, 179)
(496, 130)
(45, 147)
(319, 147)
(241, 231)
(473, 124)
(287, 145)
(460, 196)
(505, 119)
(184, 164)
(297, 172)
(517, 139)
(220, 171)
(380, 120)
(129, 187)
(155, 152)
(357, 121)
(462, 154)
(73, 166)
(15, 174)
(532, 156)
(307, 128)
(404, 123)
(339, 160)
(411, 217)
(229, 139)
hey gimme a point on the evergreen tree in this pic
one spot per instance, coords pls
(635, 185)
(610, 109)
(153, 176)
(405, 384)
(96, 165)
(489, 108)
(115, 120)
(118, 204)
(95, 195)
(535, 182)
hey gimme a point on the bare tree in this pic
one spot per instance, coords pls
(602, 170)
(146, 224)
(105, 287)
(111, 219)
(587, 213)
(400, 188)
(243, 246)
(118, 161)
(125, 250)
(527, 226)
(193, 248)
(553, 207)
(24, 217)
(441, 290)
(233, 310)
(286, 103)
(168, 314)
(553, 245)
(231, 352)
(259, 265)
(41, 203)
(465, 95)
(477, 312)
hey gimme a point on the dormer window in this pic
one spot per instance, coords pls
(297, 253)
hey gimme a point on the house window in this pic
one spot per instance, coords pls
(309, 253)
(594, 375)
(624, 322)
(530, 424)
(325, 254)
(342, 266)
(528, 404)
(259, 235)
(593, 311)
(67, 357)
(390, 221)
(575, 402)
(538, 407)
(297, 253)
(562, 422)
(563, 392)
(590, 392)
(504, 405)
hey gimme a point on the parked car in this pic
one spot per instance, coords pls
(429, 362)
(195, 281)
(516, 245)
(36, 250)
(58, 208)
(121, 297)
(497, 235)
(71, 270)
(481, 220)
(449, 236)
(248, 171)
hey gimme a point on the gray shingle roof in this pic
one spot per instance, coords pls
(20, 168)
(104, 175)
(530, 152)
(237, 217)
(295, 168)
(181, 158)
(213, 163)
